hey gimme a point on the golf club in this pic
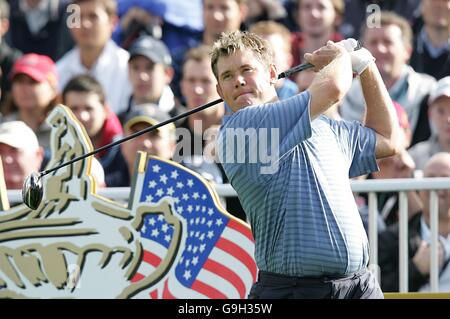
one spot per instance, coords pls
(32, 190)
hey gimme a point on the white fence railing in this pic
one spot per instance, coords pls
(365, 186)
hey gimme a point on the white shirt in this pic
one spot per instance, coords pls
(444, 276)
(110, 69)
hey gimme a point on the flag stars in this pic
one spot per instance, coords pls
(176, 200)
(197, 221)
(195, 250)
(156, 168)
(163, 178)
(189, 248)
(180, 210)
(203, 209)
(155, 232)
(197, 234)
(195, 195)
(174, 174)
(170, 191)
(144, 229)
(185, 196)
(195, 260)
(187, 274)
(167, 238)
(190, 183)
(159, 192)
(152, 184)
(187, 263)
(190, 209)
(202, 237)
(203, 220)
(151, 221)
(180, 185)
(204, 197)
(210, 211)
(160, 217)
(197, 208)
(210, 234)
(219, 222)
(165, 228)
(202, 248)
(209, 223)
(192, 223)
(149, 198)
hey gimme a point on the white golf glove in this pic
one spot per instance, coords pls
(361, 58)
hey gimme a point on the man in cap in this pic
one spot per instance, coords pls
(160, 142)
(150, 73)
(20, 153)
(439, 116)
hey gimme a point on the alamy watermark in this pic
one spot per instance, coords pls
(259, 146)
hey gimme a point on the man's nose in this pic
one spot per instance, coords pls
(239, 81)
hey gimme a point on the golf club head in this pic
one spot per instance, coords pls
(32, 191)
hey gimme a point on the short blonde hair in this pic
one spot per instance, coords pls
(231, 42)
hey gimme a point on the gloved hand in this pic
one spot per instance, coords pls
(361, 58)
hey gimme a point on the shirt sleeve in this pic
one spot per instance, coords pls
(358, 145)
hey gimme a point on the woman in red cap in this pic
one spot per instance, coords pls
(33, 94)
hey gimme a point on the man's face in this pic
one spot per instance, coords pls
(18, 164)
(439, 114)
(147, 79)
(388, 48)
(317, 17)
(29, 94)
(96, 26)
(157, 142)
(198, 84)
(243, 80)
(436, 13)
(88, 109)
(221, 16)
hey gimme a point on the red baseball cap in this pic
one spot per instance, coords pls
(38, 67)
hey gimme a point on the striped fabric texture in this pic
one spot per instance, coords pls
(299, 203)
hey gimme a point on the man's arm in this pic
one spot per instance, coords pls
(333, 79)
(380, 113)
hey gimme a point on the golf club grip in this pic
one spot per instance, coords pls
(295, 69)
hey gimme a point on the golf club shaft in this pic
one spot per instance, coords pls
(284, 74)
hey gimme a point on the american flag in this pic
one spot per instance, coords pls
(216, 259)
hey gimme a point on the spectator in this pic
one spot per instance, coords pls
(85, 97)
(419, 239)
(40, 26)
(198, 86)
(431, 52)
(280, 39)
(20, 153)
(33, 94)
(439, 115)
(318, 21)
(96, 54)
(8, 55)
(160, 142)
(390, 44)
(218, 16)
(400, 165)
(150, 73)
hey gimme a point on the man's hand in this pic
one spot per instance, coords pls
(422, 258)
(323, 56)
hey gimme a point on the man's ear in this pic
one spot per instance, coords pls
(219, 90)
(273, 73)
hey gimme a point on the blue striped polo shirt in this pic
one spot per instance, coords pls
(299, 203)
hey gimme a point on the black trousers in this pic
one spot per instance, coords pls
(360, 285)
